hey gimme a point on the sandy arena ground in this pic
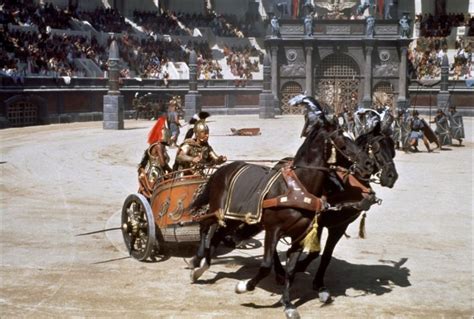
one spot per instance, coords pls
(59, 182)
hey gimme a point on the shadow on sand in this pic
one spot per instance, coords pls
(342, 278)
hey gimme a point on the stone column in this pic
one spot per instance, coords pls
(266, 98)
(229, 103)
(443, 95)
(274, 59)
(113, 101)
(192, 100)
(309, 70)
(367, 98)
(402, 81)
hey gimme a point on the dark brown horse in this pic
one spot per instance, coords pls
(380, 146)
(311, 167)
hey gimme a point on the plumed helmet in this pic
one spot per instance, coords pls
(160, 132)
(201, 126)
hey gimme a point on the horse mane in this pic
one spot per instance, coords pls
(364, 139)
(305, 151)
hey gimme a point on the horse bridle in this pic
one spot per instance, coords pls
(351, 169)
(348, 157)
(372, 154)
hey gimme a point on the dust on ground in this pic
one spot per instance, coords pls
(61, 182)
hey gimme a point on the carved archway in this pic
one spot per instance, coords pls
(288, 91)
(337, 81)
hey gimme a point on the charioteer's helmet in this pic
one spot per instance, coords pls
(160, 132)
(201, 130)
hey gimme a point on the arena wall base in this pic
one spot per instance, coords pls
(443, 98)
(113, 112)
(266, 106)
(4, 122)
(192, 105)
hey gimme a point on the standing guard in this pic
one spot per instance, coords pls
(456, 124)
(418, 131)
(401, 130)
(442, 128)
(173, 121)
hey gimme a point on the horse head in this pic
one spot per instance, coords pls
(380, 146)
(328, 144)
(321, 126)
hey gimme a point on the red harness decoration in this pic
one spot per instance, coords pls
(297, 196)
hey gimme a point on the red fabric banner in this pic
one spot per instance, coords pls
(380, 4)
(295, 8)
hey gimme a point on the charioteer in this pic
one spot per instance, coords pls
(195, 153)
(154, 164)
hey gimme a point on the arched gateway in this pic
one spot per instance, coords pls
(337, 81)
(339, 63)
(288, 91)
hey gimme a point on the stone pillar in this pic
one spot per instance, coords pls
(113, 101)
(309, 70)
(192, 100)
(266, 98)
(274, 59)
(402, 81)
(367, 98)
(443, 95)
(229, 103)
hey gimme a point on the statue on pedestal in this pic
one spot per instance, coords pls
(369, 30)
(275, 27)
(308, 25)
(404, 26)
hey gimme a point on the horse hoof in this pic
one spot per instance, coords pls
(197, 272)
(241, 287)
(324, 295)
(292, 313)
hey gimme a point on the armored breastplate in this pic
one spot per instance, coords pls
(198, 150)
(154, 160)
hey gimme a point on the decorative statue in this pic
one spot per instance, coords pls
(369, 31)
(336, 7)
(275, 27)
(388, 4)
(362, 7)
(308, 25)
(404, 26)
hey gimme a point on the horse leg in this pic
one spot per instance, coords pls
(293, 255)
(202, 261)
(334, 234)
(279, 270)
(271, 240)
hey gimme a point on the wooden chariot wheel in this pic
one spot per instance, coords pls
(139, 229)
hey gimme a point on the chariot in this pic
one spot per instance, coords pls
(147, 224)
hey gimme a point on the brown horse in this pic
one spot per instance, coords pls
(311, 167)
(380, 146)
(377, 144)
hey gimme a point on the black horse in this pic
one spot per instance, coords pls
(310, 166)
(379, 145)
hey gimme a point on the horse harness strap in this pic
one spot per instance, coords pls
(351, 180)
(296, 197)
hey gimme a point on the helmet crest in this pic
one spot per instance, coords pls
(160, 132)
